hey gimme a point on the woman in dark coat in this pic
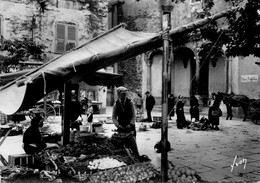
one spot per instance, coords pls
(181, 120)
(194, 108)
(171, 103)
(214, 113)
(75, 112)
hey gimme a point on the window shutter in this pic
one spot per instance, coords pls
(60, 38)
(60, 31)
(65, 37)
(71, 42)
(60, 46)
(71, 33)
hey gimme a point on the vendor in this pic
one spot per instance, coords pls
(123, 117)
(76, 109)
(32, 139)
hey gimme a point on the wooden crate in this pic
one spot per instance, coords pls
(98, 129)
(157, 118)
(25, 160)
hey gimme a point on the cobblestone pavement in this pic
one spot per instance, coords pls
(211, 153)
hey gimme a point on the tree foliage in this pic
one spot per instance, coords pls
(239, 35)
(244, 31)
(17, 50)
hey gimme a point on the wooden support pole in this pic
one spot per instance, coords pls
(164, 130)
(66, 110)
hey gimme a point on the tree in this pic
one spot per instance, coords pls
(17, 50)
(240, 33)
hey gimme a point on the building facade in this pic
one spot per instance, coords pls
(189, 73)
(61, 26)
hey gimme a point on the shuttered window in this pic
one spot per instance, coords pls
(66, 37)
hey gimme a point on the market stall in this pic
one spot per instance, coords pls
(94, 158)
(84, 159)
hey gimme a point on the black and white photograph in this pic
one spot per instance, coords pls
(130, 91)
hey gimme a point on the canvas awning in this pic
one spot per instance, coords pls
(116, 45)
(100, 77)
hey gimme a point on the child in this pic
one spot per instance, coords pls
(90, 115)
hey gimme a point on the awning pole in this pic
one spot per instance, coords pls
(44, 107)
(164, 130)
(65, 120)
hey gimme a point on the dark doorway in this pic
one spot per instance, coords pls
(203, 89)
(193, 82)
(186, 55)
(110, 96)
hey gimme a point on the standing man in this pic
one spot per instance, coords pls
(149, 103)
(123, 117)
(75, 112)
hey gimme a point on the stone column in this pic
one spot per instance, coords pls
(197, 77)
(197, 70)
(149, 74)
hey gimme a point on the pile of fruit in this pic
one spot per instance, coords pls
(139, 172)
(104, 163)
(182, 175)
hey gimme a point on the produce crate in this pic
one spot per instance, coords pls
(84, 128)
(98, 129)
(157, 118)
(25, 160)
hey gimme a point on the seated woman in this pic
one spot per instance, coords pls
(32, 139)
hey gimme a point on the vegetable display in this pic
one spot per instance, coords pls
(11, 172)
(96, 159)
(139, 172)
(104, 163)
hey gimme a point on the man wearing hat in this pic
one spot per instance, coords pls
(123, 117)
(149, 103)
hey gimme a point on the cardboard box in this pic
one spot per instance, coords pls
(25, 160)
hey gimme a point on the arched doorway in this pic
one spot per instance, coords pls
(185, 72)
(203, 81)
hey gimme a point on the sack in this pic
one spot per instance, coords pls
(158, 146)
(216, 112)
(156, 125)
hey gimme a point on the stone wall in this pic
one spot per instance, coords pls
(90, 17)
(17, 17)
